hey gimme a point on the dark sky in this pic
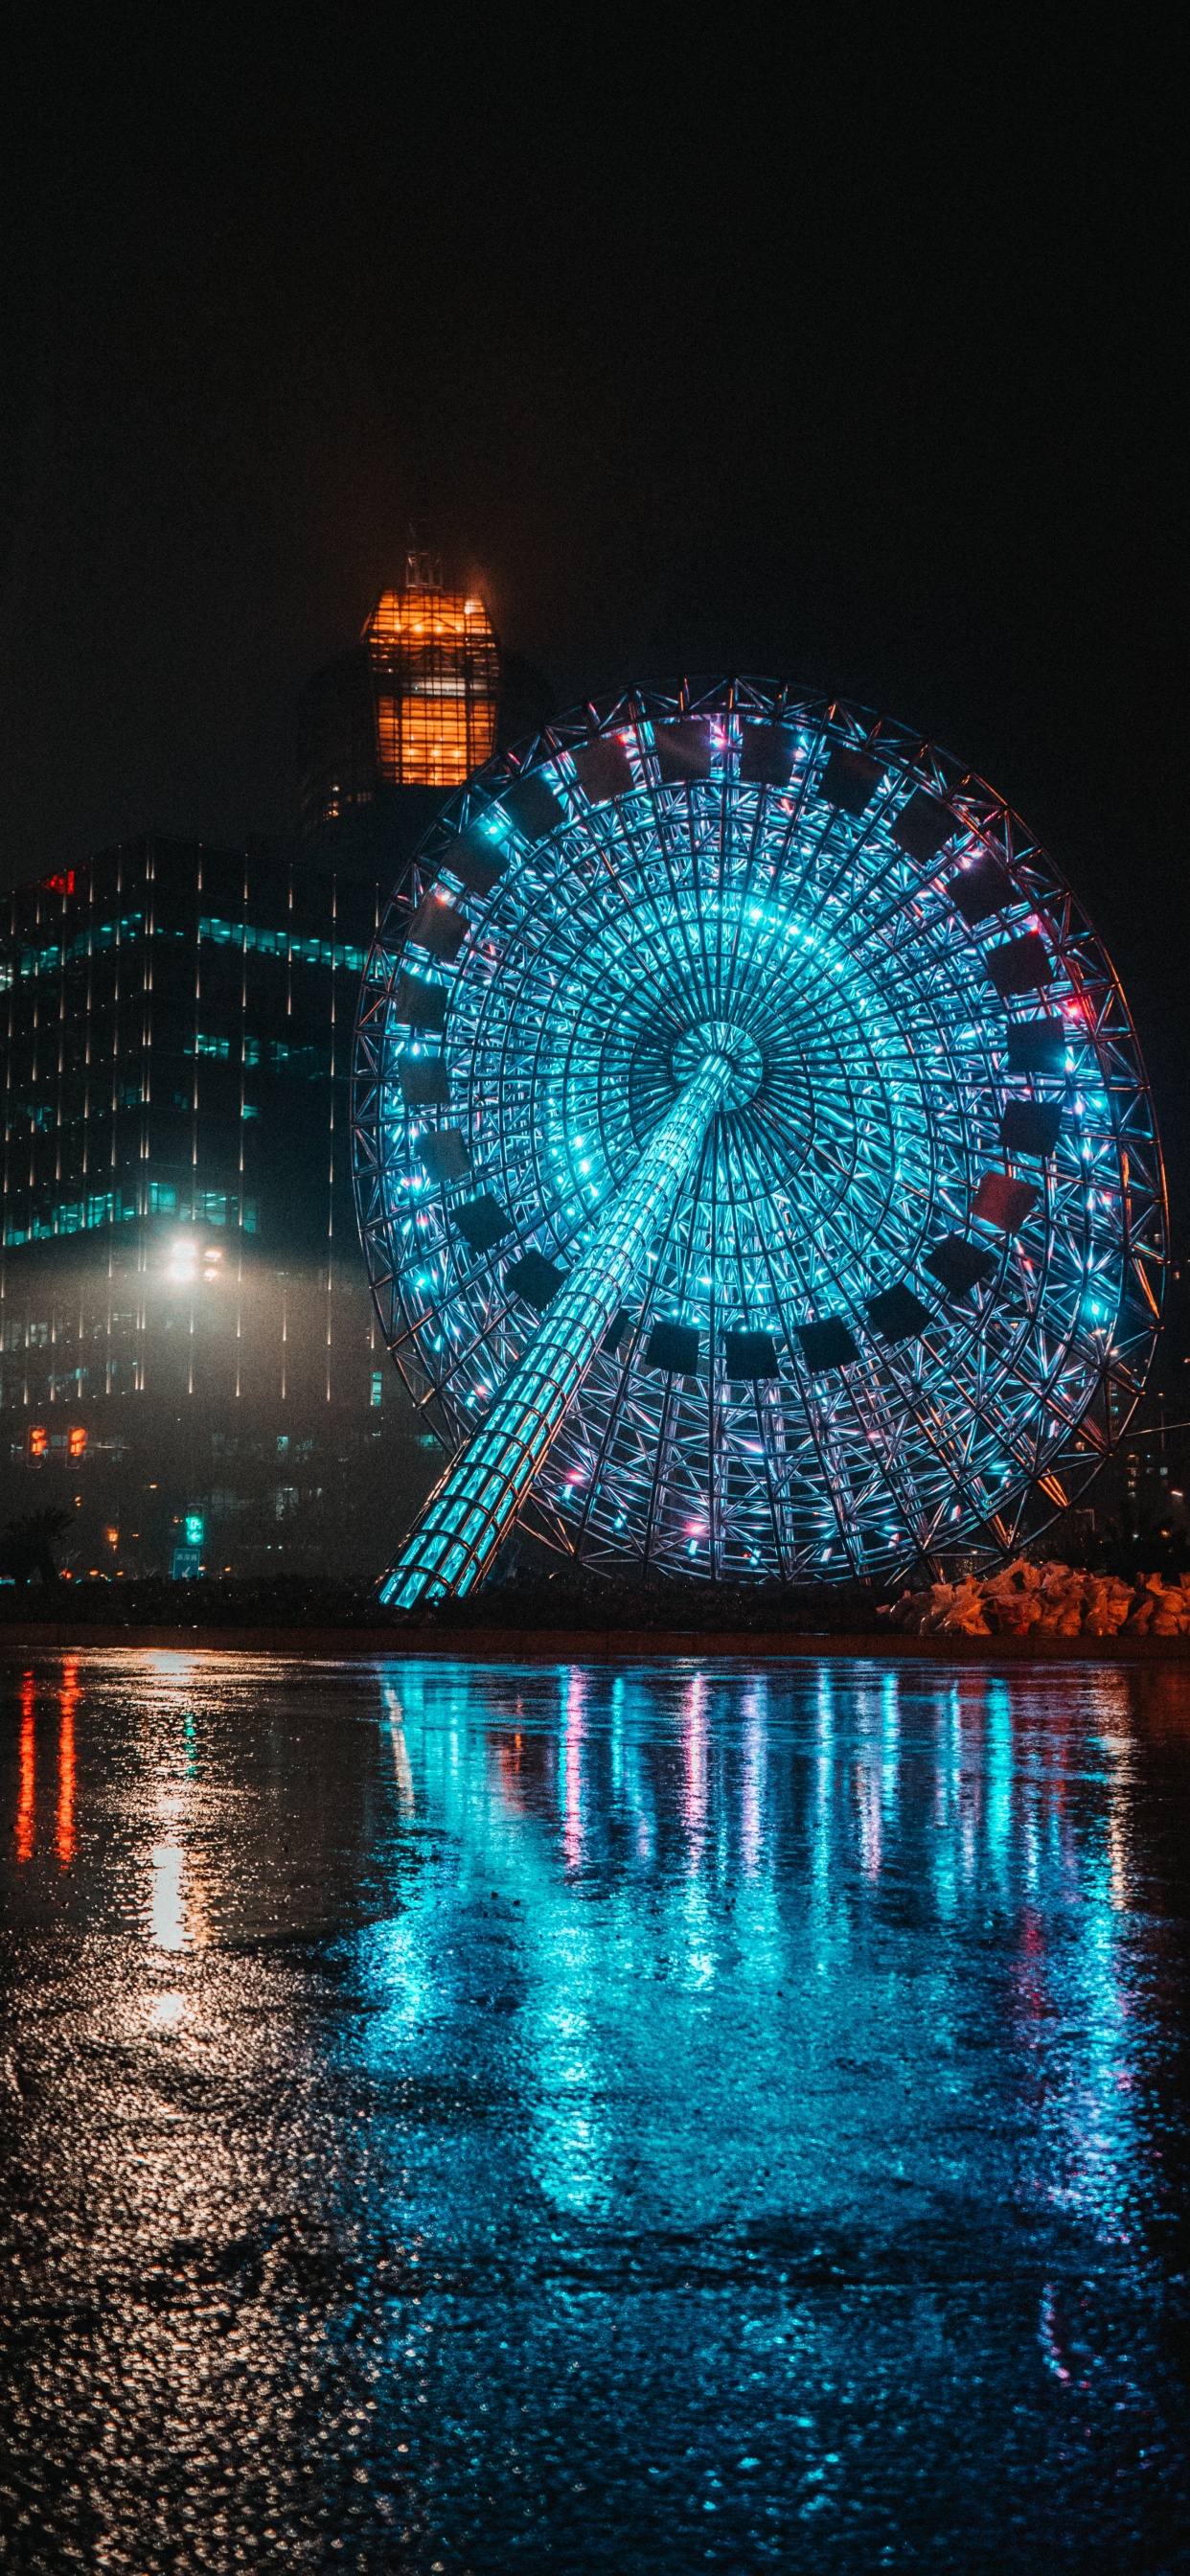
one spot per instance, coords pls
(790, 346)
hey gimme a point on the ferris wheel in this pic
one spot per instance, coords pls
(755, 1163)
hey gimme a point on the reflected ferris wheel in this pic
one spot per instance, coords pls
(756, 1167)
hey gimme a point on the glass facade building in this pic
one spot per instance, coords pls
(185, 1327)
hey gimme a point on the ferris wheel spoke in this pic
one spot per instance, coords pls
(823, 1451)
(656, 1256)
(819, 1415)
(663, 1454)
(756, 902)
(670, 857)
(942, 1450)
(905, 1501)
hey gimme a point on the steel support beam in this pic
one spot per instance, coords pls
(472, 1508)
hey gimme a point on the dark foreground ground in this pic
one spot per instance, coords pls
(655, 2119)
(566, 1612)
(563, 1601)
(571, 1615)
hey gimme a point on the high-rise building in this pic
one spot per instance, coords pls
(390, 727)
(185, 1327)
(187, 1343)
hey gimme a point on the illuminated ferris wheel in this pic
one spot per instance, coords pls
(755, 1163)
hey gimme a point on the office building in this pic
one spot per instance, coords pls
(186, 1335)
(188, 1353)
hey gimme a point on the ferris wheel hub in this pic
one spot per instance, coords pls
(720, 1038)
(754, 1157)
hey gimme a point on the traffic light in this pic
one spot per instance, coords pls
(37, 1440)
(76, 1440)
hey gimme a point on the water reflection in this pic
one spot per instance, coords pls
(68, 1700)
(543, 2116)
(761, 1851)
(977, 1794)
(26, 1815)
(401, 1769)
(25, 1820)
(166, 1910)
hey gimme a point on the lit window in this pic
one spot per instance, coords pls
(436, 676)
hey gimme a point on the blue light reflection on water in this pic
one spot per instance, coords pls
(680, 2116)
(686, 1855)
(808, 2020)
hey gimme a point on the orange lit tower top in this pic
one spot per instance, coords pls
(435, 680)
(392, 725)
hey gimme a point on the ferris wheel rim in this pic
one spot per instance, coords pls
(751, 702)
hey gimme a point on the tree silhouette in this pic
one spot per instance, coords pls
(27, 1545)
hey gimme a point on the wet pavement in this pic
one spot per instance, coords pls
(462, 2119)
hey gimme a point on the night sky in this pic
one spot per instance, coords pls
(841, 355)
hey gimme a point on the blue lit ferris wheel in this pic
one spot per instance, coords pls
(755, 1163)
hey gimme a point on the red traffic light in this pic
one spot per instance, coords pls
(37, 1440)
(76, 1440)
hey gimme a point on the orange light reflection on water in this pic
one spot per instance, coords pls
(27, 1785)
(68, 1700)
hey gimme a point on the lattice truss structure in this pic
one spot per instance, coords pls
(906, 1288)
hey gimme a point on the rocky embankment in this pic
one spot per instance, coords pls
(1047, 1601)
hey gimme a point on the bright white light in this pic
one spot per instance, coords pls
(167, 2012)
(167, 1911)
(183, 1261)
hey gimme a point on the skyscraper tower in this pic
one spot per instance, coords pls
(390, 727)
(435, 680)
